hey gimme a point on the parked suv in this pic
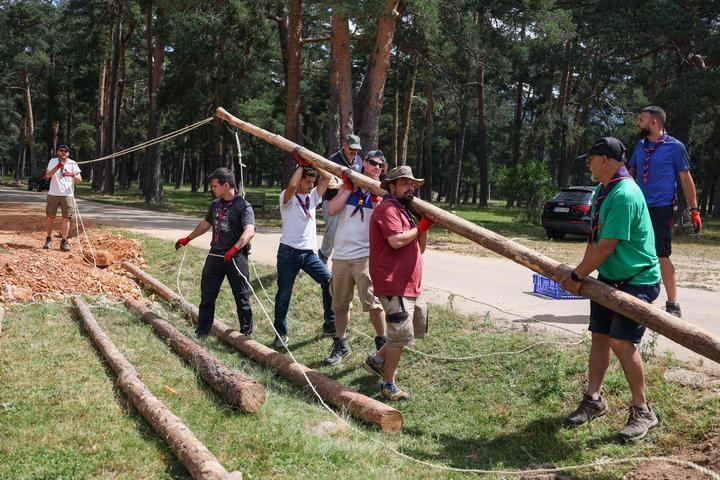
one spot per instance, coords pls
(38, 181)
(568, 212)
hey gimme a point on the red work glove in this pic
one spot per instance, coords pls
(300, 161)
(182, 242)
(60, 166)
(68, 174)
(230, 253)
(374, 198)
(696, 220)
(346, 179)
(424, 225)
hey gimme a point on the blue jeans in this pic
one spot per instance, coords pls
(289, 262)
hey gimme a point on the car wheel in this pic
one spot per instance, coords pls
(554, 234)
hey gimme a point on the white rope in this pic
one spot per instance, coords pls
(242, 179)
(153, 141)
(598, 463)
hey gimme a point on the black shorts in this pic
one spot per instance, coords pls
(607, 322)
(663, 219)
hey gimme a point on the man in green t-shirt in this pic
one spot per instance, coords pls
(622, 249)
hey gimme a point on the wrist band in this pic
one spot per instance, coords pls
(694, 209)
(575, 276)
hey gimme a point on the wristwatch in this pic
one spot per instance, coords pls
(576, 277)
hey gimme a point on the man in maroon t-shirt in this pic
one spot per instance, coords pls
(396, 247)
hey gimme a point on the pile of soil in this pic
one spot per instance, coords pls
(28, 272)
(706, 455)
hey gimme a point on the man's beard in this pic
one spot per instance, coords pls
(406, 199)
(645, 132)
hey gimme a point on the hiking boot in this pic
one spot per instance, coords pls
(391, 392)
(673, 309)
(587, 410)
(48, 242)
(329, 329)
(639, 422)
(371, 366)
(280, 342)
(380, 341)
(340, 350)
(64, 245)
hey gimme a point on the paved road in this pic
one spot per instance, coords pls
(484, 282)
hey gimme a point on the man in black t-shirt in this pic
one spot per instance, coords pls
(233, 226)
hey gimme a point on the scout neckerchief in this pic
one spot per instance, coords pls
(403, 209)
(305, 206)
(362, 198)
(222, 210)
(621, 174)
(649, 148)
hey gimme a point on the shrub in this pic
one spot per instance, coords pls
(529, 184)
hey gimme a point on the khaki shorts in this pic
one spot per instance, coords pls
(66, 204)
(346, 274)
(406, 319)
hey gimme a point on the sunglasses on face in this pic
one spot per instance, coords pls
(62, 151)
(376, 164)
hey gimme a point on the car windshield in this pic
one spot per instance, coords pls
(573, 196)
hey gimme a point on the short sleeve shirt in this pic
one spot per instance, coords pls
(624, 216)
(668, 159)
(393, 271)
(352, 237)
(298, 220)
(228, 220)
(61, 186)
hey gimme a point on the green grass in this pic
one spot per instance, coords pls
(61, 416)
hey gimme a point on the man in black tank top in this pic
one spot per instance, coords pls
(232, 222)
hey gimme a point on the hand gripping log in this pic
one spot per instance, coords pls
(684, 333)
(365, 408)
(191, 452)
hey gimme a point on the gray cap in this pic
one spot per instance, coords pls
(353, 141)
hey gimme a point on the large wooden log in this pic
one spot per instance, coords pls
(682, 332)
(332, 392)
(235, 388)
(191, 452)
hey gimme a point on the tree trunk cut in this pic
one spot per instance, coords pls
(684, 333)
(235, 388)
(188, 449)
(332, 392)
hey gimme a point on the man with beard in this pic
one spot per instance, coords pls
(622, 249)
(658, 158)
(350, 260)
(396, 248)
(232, 222)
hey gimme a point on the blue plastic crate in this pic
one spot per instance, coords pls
(550, 288)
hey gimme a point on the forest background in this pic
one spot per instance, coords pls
(477, 96)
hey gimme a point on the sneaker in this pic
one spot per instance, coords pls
(329, 329)
(340, 350)
(639, 422)
(372, 367)
(587, 410)
(673, 309)
(48, 242)
(380, 341)
(202, 335)
(64, 245)
(280, 342)
(391, 392)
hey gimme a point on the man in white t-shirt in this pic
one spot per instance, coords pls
(298, 247)
(350, 260)
(63, 173)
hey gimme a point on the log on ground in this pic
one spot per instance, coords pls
(366, 409)
(684, 333)
(235, 388)
(190, 451)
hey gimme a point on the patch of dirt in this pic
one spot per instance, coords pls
(706, 455)
(28, 272)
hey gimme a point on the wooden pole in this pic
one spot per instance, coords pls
(235, 388)
(332, 392)
(196, 458)
(682, 332)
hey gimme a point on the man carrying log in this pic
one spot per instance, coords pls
(396, 247)
(350, 266)
(233, 226)
(657, 161)
(622, 249)
(298, 244)
(347, 156)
